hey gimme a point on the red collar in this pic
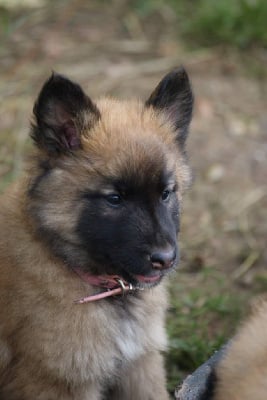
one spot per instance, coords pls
(113, 284)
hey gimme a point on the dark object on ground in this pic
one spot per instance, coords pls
(200, 384)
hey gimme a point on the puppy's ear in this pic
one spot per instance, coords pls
(62, 112)
(173, 96)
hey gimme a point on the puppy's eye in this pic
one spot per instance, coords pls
(165, 195)
(114, 199)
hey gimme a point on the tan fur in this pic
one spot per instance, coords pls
(51, 348)
(242, 374)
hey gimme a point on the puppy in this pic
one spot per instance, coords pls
(88, 235)
(242, 372)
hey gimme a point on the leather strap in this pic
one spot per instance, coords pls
(114, 285)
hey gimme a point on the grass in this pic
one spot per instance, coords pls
(202, 317)
(4, 21)
(240, 24)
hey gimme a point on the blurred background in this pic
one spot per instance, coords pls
(122, 48)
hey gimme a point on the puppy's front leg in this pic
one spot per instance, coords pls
(143, 380)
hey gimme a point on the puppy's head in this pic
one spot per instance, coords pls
(107, 180)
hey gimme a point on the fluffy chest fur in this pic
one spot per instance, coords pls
(81, 345)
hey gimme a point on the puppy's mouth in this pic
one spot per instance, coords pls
(152, 278)
(113, 285)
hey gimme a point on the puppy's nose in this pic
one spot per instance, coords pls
(163, 258)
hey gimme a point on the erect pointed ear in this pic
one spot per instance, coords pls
(173, 96)
(62, 111)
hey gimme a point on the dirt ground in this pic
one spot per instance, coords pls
(108, 49)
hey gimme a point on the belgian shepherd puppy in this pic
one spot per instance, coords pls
(96, 215)
(242, 373)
